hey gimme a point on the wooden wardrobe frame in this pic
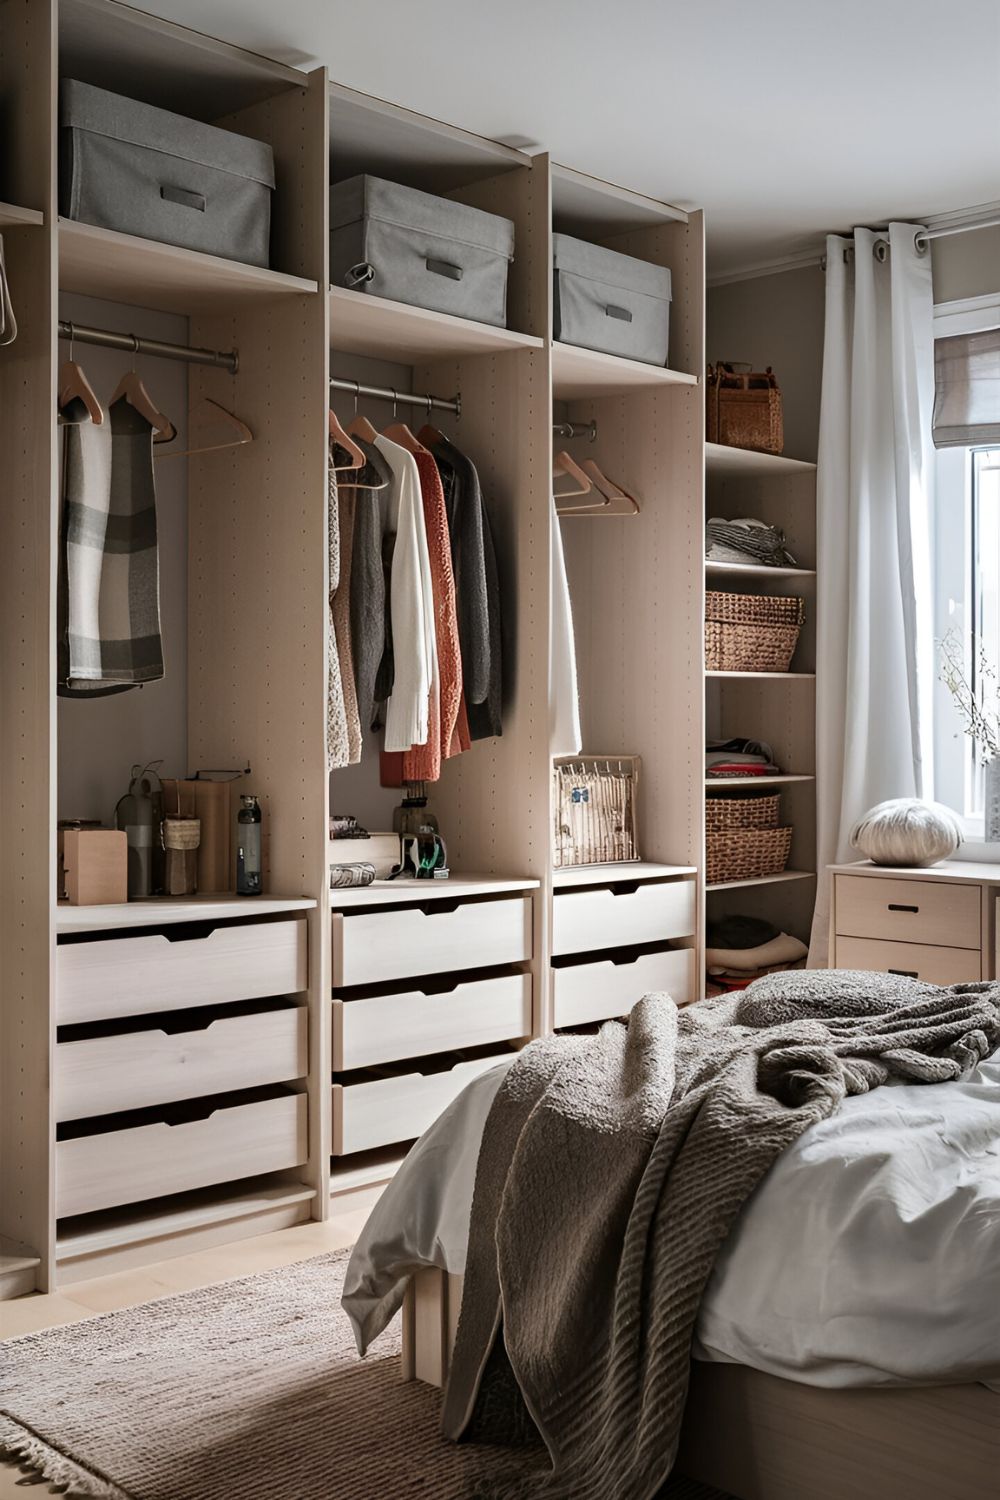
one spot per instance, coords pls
(762, 1438)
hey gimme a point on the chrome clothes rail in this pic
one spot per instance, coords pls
(134, 344)
(357, 388)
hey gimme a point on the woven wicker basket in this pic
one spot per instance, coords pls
(751, 632)
(594, 806)
(742, 812)
(746, 853)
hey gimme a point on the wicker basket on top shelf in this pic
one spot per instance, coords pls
(751, 632)
(742, 838)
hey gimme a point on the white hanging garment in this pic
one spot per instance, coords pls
(564, 694)
(411, 603)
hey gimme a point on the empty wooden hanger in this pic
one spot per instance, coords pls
(620, 502)
(74, 386)
(211, 428)
(131, 389)
(563, 463)
(361, 428)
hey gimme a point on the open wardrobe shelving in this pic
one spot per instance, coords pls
(355, 1016)
(776, 708)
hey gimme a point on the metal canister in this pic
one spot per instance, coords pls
(139, 813)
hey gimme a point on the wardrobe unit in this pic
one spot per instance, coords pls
(777, 708)
(252, 1061)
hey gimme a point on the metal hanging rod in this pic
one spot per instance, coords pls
(356, 388)
(81, 334)
(576, 429)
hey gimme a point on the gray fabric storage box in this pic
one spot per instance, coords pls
(611, 302)
(393, 241)
(145, 171)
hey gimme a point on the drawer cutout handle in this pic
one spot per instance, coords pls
(895, 906)
(440, 908)
(904, 973)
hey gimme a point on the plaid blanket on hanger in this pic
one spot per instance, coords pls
(109, 635)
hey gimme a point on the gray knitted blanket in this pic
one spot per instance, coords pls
(613, 1167)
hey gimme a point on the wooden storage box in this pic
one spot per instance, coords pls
(584, 993)
(153, 1159)
(622, 915)
(380, 1111)
(138, 975)
(391, 943)
(937, 913)
(415, 1023)
(203, 1052)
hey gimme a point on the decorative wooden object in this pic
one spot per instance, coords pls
(96, 864)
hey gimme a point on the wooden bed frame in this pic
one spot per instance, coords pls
(761, 1438)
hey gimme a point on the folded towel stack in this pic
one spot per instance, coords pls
(746, 541)
(742, 949)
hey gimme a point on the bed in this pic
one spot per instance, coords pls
(848, 1343)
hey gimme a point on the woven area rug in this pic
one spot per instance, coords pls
(248, 1389)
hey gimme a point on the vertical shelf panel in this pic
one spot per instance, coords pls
(28, 549)
(258, 561)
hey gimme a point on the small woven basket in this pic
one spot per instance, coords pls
(745, 853)
(751, 632)
(742, 812)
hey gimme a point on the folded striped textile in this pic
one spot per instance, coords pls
(748, 541)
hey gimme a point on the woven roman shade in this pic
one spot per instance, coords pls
(967, 389)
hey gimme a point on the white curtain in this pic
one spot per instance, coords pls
(875, 643)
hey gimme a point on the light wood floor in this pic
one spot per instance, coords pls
(182, 1274)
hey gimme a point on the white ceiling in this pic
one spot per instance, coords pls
(782, 118)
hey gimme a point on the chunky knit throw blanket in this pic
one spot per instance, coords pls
(613, 1167)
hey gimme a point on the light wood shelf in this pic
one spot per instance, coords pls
(11, 216)
(578, 374)
(761, 676)
(784, 877)
(160, 911)
(755, 570)
(379, 327)
(395, 892)
(754, 781)
(145, 273)
(744, 463)
(613, 874)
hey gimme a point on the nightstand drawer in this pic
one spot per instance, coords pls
(930, 912)
(914, 960)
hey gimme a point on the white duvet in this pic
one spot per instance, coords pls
(869, 1255)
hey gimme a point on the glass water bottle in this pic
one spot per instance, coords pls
(248, 858)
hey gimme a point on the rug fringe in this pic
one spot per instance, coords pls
(19, 1444)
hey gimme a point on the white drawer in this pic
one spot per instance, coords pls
(940, 913)
(622, 916)
(379, 1111)
(134, 976)
(915, 960)
(385, 1028)
(582, 993)
(150, 1161)
(370, 947)
(132, 1069)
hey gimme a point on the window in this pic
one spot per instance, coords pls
(967, 592)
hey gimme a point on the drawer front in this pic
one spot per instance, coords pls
(586, 920)
(382, 1111)
(103, 1075)
(134, 976)
(584, 993)
(150, 1161)
(372, 947)
(941, 914)
(385, 1028)
(915, 960)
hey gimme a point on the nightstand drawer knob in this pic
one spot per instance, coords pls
(894, 906)
(904, 973)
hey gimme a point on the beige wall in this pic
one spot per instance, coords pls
(778, 321)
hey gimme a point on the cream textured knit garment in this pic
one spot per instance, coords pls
(411, 604)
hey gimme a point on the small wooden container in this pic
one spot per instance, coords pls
(96, 865)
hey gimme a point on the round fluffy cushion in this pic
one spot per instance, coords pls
(907, 832)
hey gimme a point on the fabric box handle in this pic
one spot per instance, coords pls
(621, 313)
(183, 197)
(444, 268)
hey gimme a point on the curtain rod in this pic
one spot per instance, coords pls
(80, 333)
(356, 388)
